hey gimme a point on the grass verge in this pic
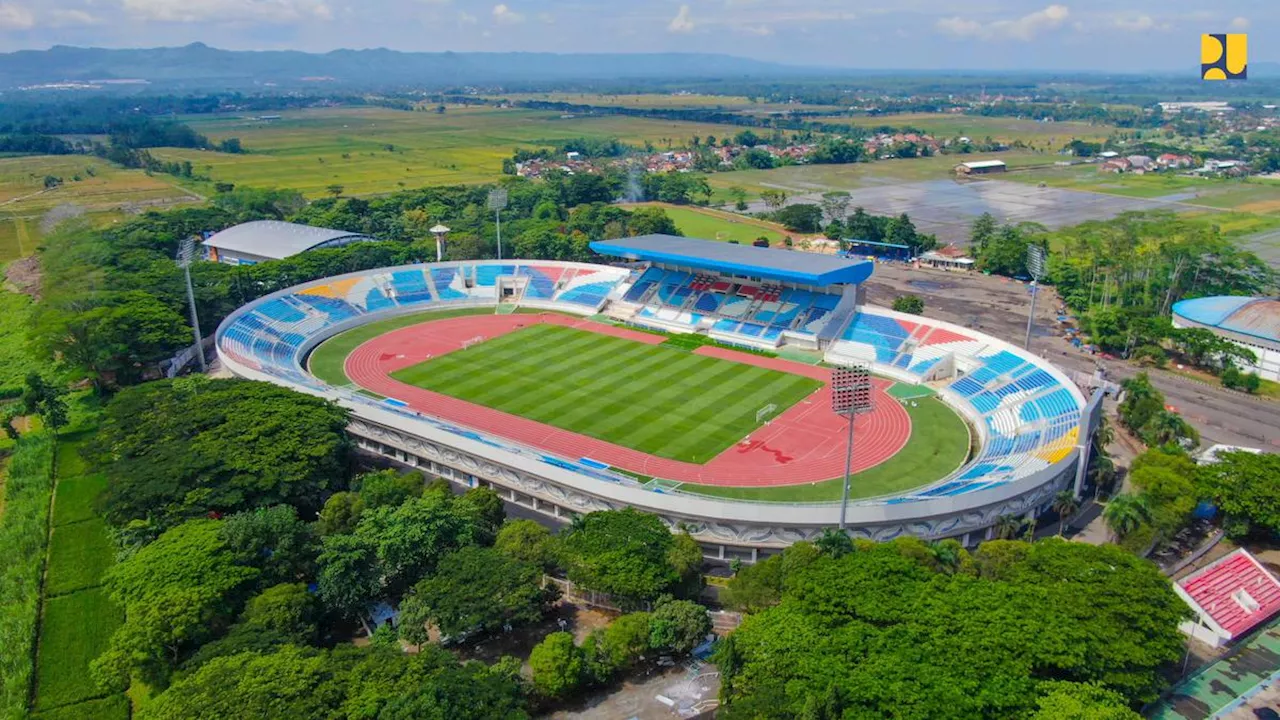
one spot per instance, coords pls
(76, 629)
(651, 398)
(939, 443)
(114, 707)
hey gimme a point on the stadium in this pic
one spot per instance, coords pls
(690, 379)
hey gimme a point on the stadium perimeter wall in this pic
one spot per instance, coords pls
(725, 528)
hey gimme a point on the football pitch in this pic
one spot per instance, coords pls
(659, 400)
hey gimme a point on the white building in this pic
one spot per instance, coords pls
(1230, 597)
(1251, 323)
(252, 242)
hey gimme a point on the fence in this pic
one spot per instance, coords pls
(175, 364)
(580, 596)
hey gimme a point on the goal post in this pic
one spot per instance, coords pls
(766, 412)
(472, 341)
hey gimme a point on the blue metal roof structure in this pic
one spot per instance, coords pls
(1255, 317)
(791, 266)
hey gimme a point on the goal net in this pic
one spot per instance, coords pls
(765, 412)
(473, 341)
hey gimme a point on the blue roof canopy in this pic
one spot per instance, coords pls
(791, 266)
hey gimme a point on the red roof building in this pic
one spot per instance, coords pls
(1230, 597)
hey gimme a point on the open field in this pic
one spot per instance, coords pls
(101, 185)
(79, 552)
(650, 398)
(976, 127)
(1247, 195)
(711, 224)
(15, 360)
(75, 630)
(938, 445)
(312, 149)
(114, 707)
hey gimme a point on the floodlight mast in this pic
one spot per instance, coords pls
(497, 202)
(1035, 266)
(186, 254)
(850, 396)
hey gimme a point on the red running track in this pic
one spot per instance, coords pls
(804, 444)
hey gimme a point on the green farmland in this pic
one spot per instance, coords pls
(378, 150)
(650, 398)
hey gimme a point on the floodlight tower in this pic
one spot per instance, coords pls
(1035, 266)
(186, 255)
(850, 396)
(497, 203)
(440, 231)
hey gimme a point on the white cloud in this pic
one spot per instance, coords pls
(466, 18)
(504, 15)
(758, 30)
(681, 23)
(15, 17)
(1134, 22)
(230, 11)
(1024, 28)
(1240, 23)
(73, 17)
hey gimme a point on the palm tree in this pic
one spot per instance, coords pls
(1104, 435)
(1007, 527)
(1066, 505)
(1125, 513)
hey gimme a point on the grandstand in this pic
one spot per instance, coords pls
(1025, 415)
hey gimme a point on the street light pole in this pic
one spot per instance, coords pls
(848, 472)
(1035, 266)
(850, 396)
(498, 201)
(1026, 345)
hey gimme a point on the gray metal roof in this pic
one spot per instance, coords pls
(1257, 317)
(275, 239)
(785, 265)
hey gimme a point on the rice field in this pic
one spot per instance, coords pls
(709, 224)
(977, 127)
(379, 150)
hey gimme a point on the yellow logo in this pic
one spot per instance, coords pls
(1224, 57)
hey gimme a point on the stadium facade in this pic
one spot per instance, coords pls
(1030, 424)
(1252, 323)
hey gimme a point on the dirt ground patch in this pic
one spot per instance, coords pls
(24, 276)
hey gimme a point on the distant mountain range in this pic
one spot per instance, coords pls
(198, 65)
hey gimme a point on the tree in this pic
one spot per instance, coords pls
(801, 217)
(1065, 505)
(617, 646)
(1243, 486)
(1125, 513)
(759, 586)
(861, 226)
(739, 196)
(388, 488)
(984, 230)
(341, 514)
(334, 190)
(625, 553)
(486, 511)
(835, 205)
(1082, 701)
(181, 448)
(40, 397)
(481, 589)
(349, 576)
(952, 644)
(773, 199)
(912, 304)
(834, 543)
(558, 665)
(175, 593)
(678, 626)
(527, 540)
(275, 540)
(1008, 527)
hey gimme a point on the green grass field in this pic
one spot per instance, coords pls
(379, 150)
(939, 444)
(654, 399)
(74, 498)
(114, 707)
(78, 555)
(75, 630)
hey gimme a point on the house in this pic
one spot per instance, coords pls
(1230, 597)
(1140, 162)
(1115, 165)
(1109, 154)
(573, 155)
(1173, 161)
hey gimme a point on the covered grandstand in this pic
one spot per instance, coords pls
(1026, 416)
(253, 242)
(1252, 323)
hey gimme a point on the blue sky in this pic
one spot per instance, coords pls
(1126, 35)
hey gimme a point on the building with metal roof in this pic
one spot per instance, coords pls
(1252, 323)
(981, 167)
(253, 242)
(788, 266)
(1230, 598)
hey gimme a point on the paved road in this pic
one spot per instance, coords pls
(998, 306)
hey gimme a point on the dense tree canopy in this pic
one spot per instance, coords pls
(481, 589)
(1246, 487)
(886, 631)
(182, 448)
(625, 553)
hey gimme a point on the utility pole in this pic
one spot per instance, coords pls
(1035, 266)
(186, 255)
(850, 396)
(497, 202)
